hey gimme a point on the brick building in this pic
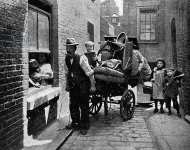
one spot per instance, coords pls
(28, 28)
(161, 27)
(181, 25)
(108, 8)
(110, 12)
(145, 20)
(106, 29)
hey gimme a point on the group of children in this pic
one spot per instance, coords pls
(166, 83)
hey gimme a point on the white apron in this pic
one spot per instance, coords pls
(158, 84)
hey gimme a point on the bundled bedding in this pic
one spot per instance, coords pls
(108, 72)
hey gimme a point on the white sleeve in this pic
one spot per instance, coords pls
(65, 68)
(85, 65)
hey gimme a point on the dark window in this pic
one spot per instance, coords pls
(40, 68)
(147, 25)
(38, 30)
(90, 27)
(32, 30)
(173, 40)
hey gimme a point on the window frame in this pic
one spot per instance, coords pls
(37, 50)
(114, 20)
(90, 24)
(146, 9)
(38, 10)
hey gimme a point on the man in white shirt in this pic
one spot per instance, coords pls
(79, 82)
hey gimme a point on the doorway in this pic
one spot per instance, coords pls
(173, 41)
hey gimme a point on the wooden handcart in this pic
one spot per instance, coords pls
(106, 91)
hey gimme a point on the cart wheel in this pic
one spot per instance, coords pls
(95, 103)
(127, 105)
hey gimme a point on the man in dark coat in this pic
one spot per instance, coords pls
(79, 82)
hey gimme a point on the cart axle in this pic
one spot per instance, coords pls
(113, 101)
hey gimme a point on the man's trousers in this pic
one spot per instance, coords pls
(79, 105)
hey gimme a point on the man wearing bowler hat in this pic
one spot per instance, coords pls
(79, 82)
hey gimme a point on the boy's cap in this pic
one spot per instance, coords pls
(90, 43)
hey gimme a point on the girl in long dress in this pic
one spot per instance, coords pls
(158, 79)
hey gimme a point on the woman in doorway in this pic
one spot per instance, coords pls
(45, 73)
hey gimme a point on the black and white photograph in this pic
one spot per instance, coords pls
(94, 74)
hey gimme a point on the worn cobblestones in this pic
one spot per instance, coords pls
(111, 133)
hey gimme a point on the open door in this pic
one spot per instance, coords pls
(173, 41)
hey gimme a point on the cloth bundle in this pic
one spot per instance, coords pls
(112, 63)
(109, 75)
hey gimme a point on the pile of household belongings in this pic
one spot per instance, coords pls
(108, 72)
(115, 70)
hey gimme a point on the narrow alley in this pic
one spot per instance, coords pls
(111, 133)
(145, 131)
(63, 60)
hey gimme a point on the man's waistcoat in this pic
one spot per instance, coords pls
(75, 73)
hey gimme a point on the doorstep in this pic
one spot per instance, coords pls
(51, 138)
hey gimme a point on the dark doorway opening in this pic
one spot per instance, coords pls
(173, 41)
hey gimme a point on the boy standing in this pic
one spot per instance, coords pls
(171, 84)
(90, 54)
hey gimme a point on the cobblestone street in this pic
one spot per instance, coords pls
(111, 133)
(56, 56)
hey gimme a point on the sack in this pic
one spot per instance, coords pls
(146, 71)
(109, 78)
(105, 55)
(107, 71)
(127, 57)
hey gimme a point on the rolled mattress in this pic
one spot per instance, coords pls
(109, 78)
(108, 72)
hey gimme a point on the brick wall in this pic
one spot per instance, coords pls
(72, 22)
(129, 23)
(69, 19)
(179, 10)
(183, 53)
(12, 19)
(186, 85)
(104, 28)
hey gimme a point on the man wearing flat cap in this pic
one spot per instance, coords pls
(79, 82)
